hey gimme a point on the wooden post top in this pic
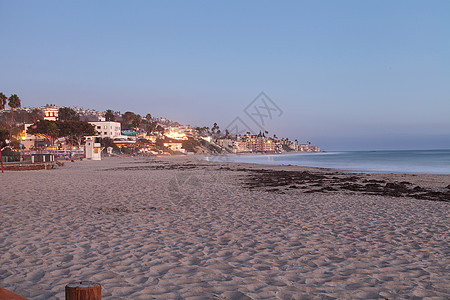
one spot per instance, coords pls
(82, 284)
(83, 290)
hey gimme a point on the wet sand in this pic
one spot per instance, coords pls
(178, 228)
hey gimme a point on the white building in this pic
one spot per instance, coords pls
(93, 148)
(51, 113)
(108, 129)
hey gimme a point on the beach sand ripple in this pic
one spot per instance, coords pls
(175, 228)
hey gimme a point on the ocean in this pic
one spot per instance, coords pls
(399, 161)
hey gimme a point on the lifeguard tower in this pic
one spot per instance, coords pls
(93, 148)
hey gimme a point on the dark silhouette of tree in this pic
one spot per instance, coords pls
(35, 115)
(46, 129)
(227, 133)
(109, 142)
(73, 130)
(151, 127)
(214, 128)
(109, 115)
(160, 129)
(3, 100)
(148, 117)
(136, 122)
(14, 101)
(127, 118)
(4, 135)
(68, 114)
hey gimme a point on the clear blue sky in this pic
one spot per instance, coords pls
(347, 74)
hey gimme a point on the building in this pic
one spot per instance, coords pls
(51, 113)
(227, 143)
(174, 146)
(93, 148)
(108, 129)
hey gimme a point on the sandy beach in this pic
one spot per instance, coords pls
(179, 228)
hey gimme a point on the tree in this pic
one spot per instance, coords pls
(160, 129)
(4, 135)
(68, 114)
(148, 117)
(227, 133)
(109, 142)
(136, 122)
(72, 130)
(35, 115)
(3, 100)
(45, 128)
(14, 101)
(75, 130)
(151, 127)
(214, 128)
(128, 117)
(109, 115)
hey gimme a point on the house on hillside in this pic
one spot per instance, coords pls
(175, 146)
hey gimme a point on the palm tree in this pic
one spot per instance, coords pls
(14, 102)
(214, 128)
(3, 99)
(109, 115)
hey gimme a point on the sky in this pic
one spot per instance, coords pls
(345, 75)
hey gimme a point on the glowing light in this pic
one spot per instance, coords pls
(176, 135)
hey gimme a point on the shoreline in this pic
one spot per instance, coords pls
(177, 227)
(355, 170)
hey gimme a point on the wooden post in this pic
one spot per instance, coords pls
(83, 290)
(1, 159)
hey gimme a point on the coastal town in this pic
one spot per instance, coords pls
(77, 132)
